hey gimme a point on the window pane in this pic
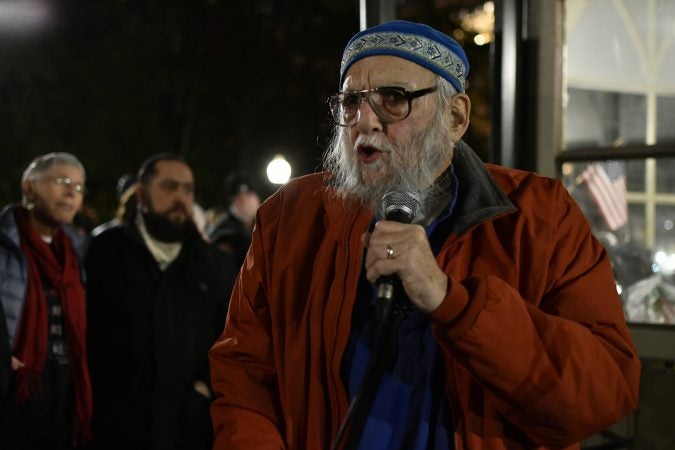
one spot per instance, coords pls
(632, 119)
(636, 218)
(652, 299)
(640, 279)
(618, 53)
(635, 175)
(604, 119)
(665, 229)
(665, 181)
(665, 119)
(600, 190)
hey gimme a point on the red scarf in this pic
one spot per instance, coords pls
(30, 346)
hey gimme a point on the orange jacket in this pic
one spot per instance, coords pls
(535, 347)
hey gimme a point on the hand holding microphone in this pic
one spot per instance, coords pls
(397, 247)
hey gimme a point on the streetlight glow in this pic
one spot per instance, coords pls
(278, 170)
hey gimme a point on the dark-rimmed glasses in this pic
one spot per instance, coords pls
(390, 104)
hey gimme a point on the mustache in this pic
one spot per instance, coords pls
(179, 207)
(375, 141)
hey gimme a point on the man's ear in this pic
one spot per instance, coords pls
(141, 195)
(460, 110)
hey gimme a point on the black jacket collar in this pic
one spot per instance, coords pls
(479, 196)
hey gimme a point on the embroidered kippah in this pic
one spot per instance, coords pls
(415, 42)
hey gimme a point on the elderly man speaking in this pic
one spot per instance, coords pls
(510, 333)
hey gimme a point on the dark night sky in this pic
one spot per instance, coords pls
(226, 83)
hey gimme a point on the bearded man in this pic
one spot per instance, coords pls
(510, 334)
(158, 296)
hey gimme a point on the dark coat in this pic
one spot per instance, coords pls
(13, 281)
(149, 334)
(231, 236)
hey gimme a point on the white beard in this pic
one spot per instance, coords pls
(411, 166)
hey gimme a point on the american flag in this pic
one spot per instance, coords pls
(607, 185)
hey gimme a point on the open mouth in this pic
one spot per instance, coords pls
(368, 153)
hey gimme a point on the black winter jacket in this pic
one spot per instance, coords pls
(149, 334)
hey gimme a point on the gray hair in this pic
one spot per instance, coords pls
(43, 163)
(445, 91)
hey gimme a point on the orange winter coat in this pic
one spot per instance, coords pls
(536, 351)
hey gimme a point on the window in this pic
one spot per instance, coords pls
(618, 152)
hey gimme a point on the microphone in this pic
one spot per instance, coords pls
(398, 206)
(403, 207)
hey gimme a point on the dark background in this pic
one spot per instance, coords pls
(229, 84)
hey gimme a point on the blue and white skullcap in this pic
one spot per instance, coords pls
(415, 42)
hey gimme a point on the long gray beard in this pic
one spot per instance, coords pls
(413, 166)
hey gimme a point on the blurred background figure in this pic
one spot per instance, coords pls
(47, 401)
(232, 232)
(199, 219)
(79, 230)
(126, 206)
(157, 300)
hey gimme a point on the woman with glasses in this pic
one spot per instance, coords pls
(46, 401)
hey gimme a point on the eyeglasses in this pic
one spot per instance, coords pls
(390, 104)
(68, 182)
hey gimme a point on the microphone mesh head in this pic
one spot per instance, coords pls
(397, 203)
